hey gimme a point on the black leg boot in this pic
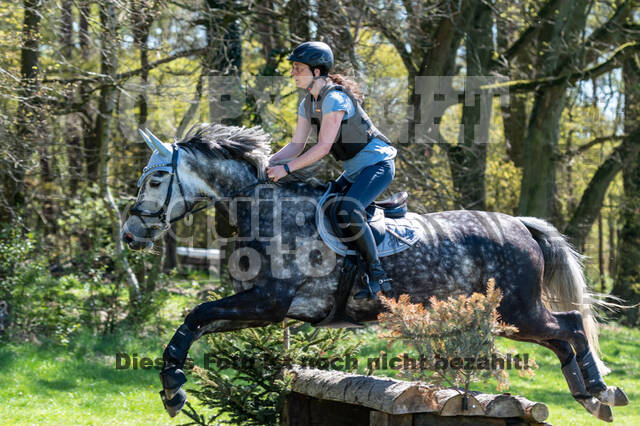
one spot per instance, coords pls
(172, 376)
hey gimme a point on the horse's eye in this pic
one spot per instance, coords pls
(154, 183)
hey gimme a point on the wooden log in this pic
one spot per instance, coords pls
(533, 411)
(450, 402)
(396, 397)
(382, 394)
(500, 405)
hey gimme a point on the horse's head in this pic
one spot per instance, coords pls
(165, 194)
(213, 161)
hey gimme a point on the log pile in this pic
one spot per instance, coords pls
(322, 397)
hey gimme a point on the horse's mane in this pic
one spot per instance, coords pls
(250, 144)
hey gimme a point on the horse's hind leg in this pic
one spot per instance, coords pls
(562, 333)
(575, 381)
(571, 323)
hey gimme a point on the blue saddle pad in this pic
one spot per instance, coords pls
(401, 233)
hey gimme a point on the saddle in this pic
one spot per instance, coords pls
(393, 229)
(392, 225)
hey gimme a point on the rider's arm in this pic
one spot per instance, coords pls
(296, 146)
(328, 131)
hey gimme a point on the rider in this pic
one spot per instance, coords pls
(332, 106)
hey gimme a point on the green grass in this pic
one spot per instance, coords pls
(79, 384)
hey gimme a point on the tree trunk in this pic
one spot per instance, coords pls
(298, 14)
(72, 145)
(561, 39)
(588, 210)
(334, 28)
(628, 267)
(84, 38)
(467, 159)
(223, 62)
(169, 250)
(142, 19)
(28, 112)
(109, 67)
(612, 244)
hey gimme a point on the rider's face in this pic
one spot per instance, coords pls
(301, 74)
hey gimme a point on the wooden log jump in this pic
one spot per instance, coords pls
(322, 397)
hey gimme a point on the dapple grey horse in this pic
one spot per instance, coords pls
(540, 275)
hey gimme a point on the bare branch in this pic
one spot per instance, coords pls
(520, 86)
(395, 39)
(128, 74)
(527, 35)
(595, 141)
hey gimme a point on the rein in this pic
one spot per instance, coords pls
(161, 213)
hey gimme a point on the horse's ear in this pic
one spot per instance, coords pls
(159, 145)
(146, 139)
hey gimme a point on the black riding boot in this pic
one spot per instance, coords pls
(366, 245)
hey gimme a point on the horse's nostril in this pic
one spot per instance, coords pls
(127, 237)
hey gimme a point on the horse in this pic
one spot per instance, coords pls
(541, 276)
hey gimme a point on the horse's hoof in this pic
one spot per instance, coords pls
(597, 409)
(172, 379)
(175, 404)
(613, 396)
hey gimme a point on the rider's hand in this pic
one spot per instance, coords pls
(276, 173)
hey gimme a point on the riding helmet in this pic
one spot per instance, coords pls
(316, 54)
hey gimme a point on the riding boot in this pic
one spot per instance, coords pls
(365, 243)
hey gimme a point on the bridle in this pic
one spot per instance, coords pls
(161, 213)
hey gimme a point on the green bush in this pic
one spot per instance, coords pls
(39, 304)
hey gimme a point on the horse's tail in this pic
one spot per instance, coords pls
(564, 287)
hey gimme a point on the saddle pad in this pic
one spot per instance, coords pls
(401, 233)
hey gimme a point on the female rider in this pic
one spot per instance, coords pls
(332, 105)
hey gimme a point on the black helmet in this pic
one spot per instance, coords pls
(316, 54)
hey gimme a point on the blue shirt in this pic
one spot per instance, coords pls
(374, 152)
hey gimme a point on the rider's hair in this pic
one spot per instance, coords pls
(349, 84)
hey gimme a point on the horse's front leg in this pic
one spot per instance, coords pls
(255, 307)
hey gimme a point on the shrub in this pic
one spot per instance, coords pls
(460, 328)
(38, 303)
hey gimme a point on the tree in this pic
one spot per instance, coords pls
(627, 284)
(28, 114)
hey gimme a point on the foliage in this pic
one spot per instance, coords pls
(39, 304)
(54, 285)
(446, 332)
(245, 380)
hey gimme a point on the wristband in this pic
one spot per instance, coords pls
(286, 168)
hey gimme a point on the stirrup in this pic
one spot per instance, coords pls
(372, 289)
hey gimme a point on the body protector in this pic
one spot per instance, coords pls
(354, 133)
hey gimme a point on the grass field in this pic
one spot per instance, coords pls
(79, 383)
